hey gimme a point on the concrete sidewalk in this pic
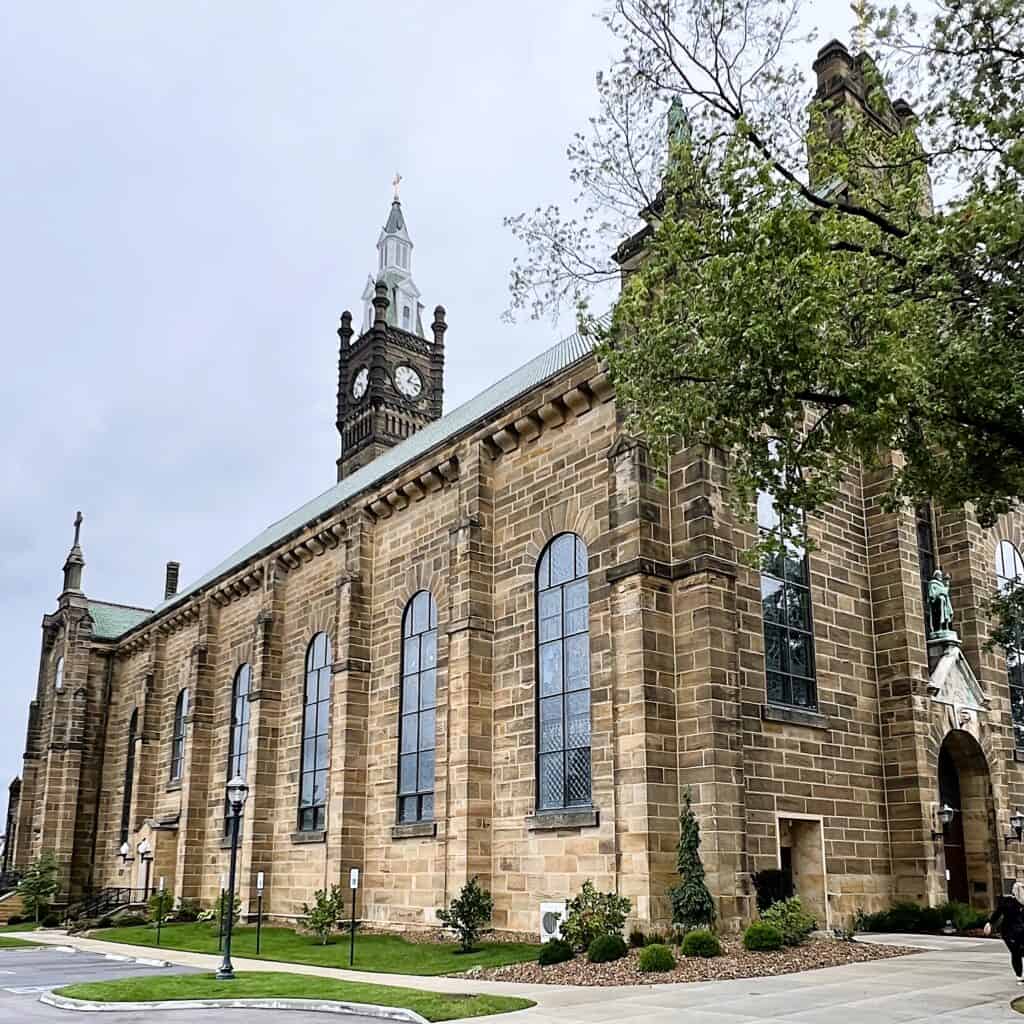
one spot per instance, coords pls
(962, 980)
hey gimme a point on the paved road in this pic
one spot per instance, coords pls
(24, 973)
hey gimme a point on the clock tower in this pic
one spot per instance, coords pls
(390, 374)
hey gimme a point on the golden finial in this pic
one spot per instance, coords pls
(396, 181)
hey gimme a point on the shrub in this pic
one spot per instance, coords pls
(701, 942)
(606, 948)
(220, 910)
(15, 919)
(83, 924)
(206, 916)
(106, 921)
(907, 916)
(761, 936)
(322, 917)
(964, 917)
(771, 886)
(692, 905)
(591, 914)
(555, 951)
(793, 922)
(187, 910)
(656, 958)
(52, 920)
(656, 939)
(38, 886)
(160, 904)
(637, 939)
(468, 914)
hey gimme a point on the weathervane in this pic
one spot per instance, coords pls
(396, 181)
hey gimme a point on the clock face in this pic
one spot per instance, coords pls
(359, 384)
(407, 380)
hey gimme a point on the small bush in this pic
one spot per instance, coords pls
(468, 914)
(656, 958)
(322, 917)
(106, 921)
(15, 919)
(964, 917)
(907, 916)
(761, 937)
(606, 948)
(656, 939)
(555, 951)
(160, 904)
(591, 914)
(187, 910)
(637, 939)
(701, 943)
(793, 922)
(83, 924)
(52, 920)
(206, 916)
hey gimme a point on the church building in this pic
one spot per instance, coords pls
(505, 645)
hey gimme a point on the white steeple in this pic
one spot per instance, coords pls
(394, 268)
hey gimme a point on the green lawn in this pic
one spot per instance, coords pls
(386, 953)
(27, 926)
(249, 985)
(7, 942)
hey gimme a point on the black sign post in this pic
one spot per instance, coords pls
(160, 910)
(353, 884)
(259, 909)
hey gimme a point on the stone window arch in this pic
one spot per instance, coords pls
(316, 739)
(1010, 574)
(178, 736)
(417, 729)
(562, 592)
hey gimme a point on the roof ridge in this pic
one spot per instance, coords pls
(117, 604)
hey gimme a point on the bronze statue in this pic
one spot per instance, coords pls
(940, 608)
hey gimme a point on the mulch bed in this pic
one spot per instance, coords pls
(734, 963)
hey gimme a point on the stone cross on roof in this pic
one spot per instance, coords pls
(396, 181)
(78, 524)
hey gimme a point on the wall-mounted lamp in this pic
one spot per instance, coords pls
(1017, 824)
(945, 815)
(124, 852)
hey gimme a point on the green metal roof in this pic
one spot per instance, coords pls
(109, 621)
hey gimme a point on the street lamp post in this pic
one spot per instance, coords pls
(237, 792)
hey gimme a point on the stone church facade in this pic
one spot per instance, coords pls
(505, 645)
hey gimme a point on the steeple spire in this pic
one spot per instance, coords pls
(75, 563)
(394, 268)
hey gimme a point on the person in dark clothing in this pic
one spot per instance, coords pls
(1008, 918)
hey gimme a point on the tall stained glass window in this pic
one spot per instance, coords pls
(417, 725)
(1010, 574)
(316, 740)
(563, 673)
(786, 611)
(178, 735)
(129, 775)
(238, 737)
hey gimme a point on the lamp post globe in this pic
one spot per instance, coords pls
(1017, 822)
(237, 793)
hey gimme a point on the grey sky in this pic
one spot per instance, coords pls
(190, 195)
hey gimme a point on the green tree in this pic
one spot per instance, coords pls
(38, 886)
(692, 904)
(160, 904)
(468, 914)
(323, 916)
(803, 304)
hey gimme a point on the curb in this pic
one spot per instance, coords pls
(315, 1005)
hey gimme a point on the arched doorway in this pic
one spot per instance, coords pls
(970, 853)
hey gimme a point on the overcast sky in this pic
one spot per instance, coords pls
(190, 194)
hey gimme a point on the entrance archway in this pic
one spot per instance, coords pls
(970, 854)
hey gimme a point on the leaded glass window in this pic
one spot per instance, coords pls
(1010, 574)
(238, 736)
(58, 675)
(178, 736)
(316, 740)
(563, 675)
(926, 559)
(786, 611)
(418, 699)
(129, 776)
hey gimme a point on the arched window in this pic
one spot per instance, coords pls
(786, 612)
(129, 775)
(58, 675)
(238, 736)
(416, 730)
(178, 736)
(1010, 574)
(315, 736)
(563, 670)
